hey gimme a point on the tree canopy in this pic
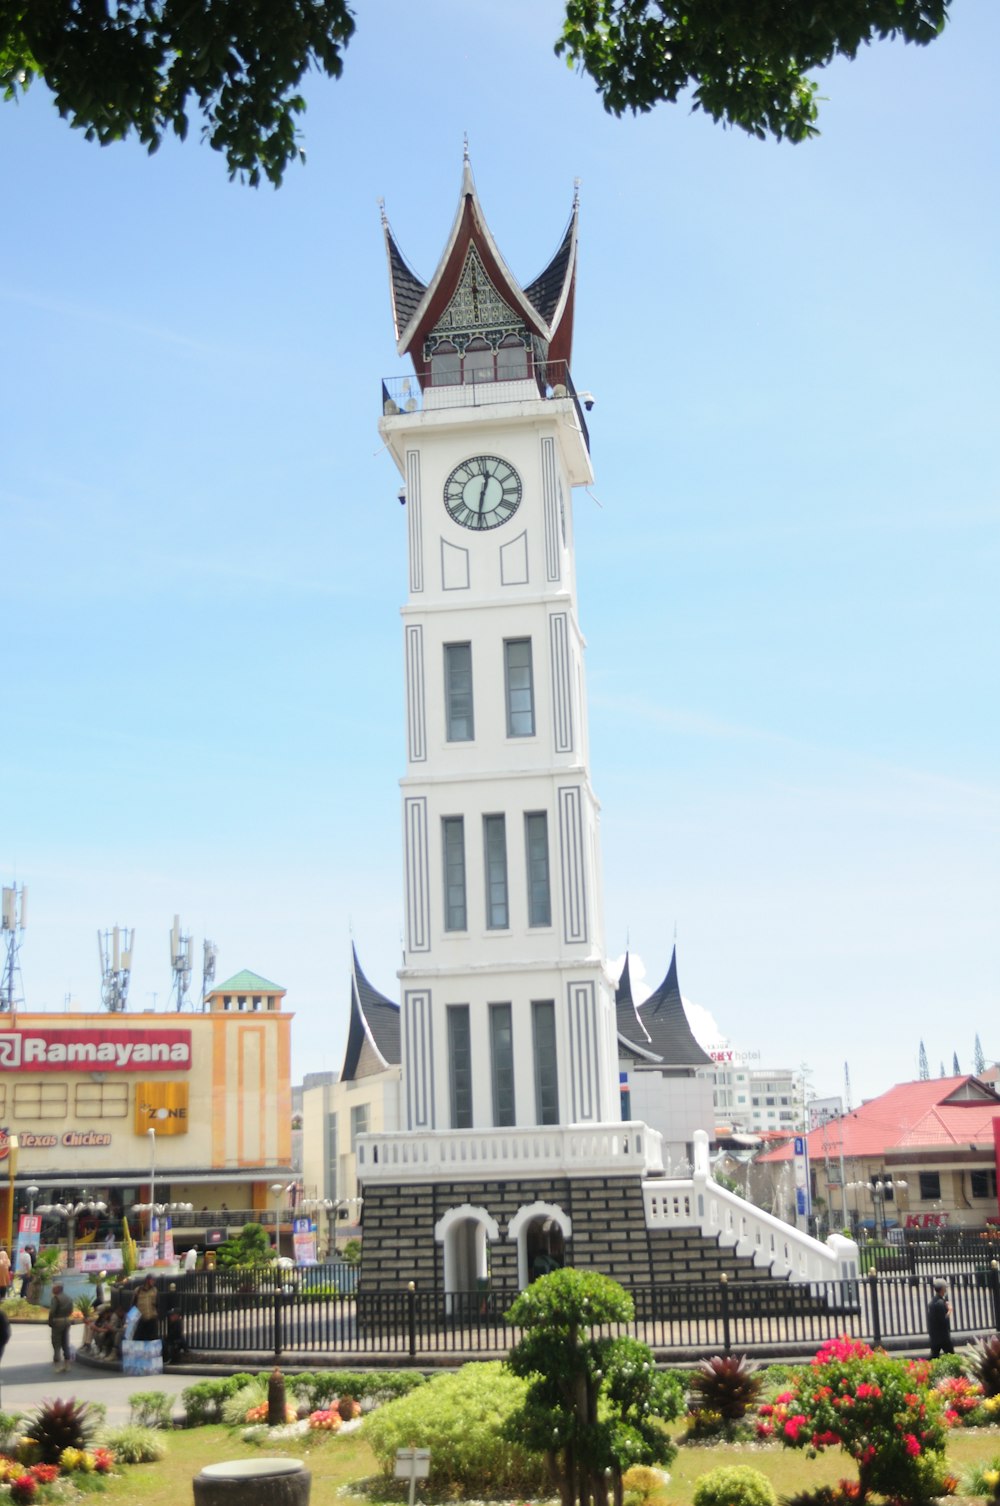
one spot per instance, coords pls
(746, 64)
(118, 67)
(121, 66)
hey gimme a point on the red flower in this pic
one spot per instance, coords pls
(793, 1427)
(912, 1446)
(764, 1430)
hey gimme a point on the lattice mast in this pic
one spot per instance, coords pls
(12, 921)
(180, 963)
(114, 948)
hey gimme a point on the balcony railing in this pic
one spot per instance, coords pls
(548, 380)
(601, 1149)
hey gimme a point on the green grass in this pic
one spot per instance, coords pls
(336, 1462)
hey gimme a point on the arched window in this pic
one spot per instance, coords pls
(512, 360)
(479, 364)
(446, 365)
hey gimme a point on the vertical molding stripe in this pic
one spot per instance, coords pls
(417, 878)
(414, 511)
(283, 1026)
(416, 706)
(583, 1051)
(572, 863)
(550, 500)
(418, 1029)
(562, 701)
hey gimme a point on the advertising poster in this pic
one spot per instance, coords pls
(304, 1241)
(29, 1232)
(104, 1259)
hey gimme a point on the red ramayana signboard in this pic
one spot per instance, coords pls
(95, 1050)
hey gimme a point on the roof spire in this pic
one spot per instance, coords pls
(465, 146)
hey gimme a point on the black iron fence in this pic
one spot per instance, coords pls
(761, 1318)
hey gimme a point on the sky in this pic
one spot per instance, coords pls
(787, 565)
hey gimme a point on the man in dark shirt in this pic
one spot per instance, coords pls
(60, 1313)
(939, 1321)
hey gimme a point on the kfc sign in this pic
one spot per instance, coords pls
(95, 1050)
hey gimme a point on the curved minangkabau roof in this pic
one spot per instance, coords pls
(658, 1029)
(373, 1035)
(546, 305)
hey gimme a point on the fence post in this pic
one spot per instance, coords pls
(724, 1284)
(278, 1337)
(411, 1316)
(994, 1277)
(876, 1315)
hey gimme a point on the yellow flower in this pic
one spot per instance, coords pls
(991, 1477)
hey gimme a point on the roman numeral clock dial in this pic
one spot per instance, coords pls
(482, 492)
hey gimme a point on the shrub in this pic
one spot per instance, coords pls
(261, 1411)
(11, 1428)
(641, 1483)
(151, 1409)
(983, 1479)
(325, 1421)
(253, 1393)
(734, 1485)
(134, 1445)
(459, 1418)
(983, 1360)
(203, 1402)
(961, 1400)
(320, 1388)
(728, 1384)
(58, 1425)
(23, 1489)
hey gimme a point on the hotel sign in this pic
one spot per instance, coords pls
(95, 1050)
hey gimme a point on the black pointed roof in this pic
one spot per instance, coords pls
(405, 286)
(547, 289)
(660, 1029)
(373, 1036)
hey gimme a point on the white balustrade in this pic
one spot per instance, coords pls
(703, 1204)
(603, 1149)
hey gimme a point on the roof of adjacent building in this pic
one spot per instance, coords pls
(657, 1030)
(545, 305)
(373, 1035)
(247, 982)
(932, 1112)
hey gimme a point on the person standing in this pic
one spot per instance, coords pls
(4, 1272)
(60, 1313)
(145, 1301)
(24, 1268)
(939, 1321)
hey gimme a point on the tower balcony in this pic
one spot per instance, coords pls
(490, 386)
(534, 1151)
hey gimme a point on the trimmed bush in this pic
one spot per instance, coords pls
(203, 1402)
(151, 1409)
(250, 1395)
(734, 1485)
(460, 1418)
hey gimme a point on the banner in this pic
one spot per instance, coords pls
(99, 1260)
(101, 1050)
(162, 1106)
(304, 1241)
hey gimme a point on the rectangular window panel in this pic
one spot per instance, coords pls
(984, 1184)
(40, 1100)
(536, 843)
(930, 1186)
(502, 1062)
(543, 1028)
(458, 691)
(453, 830)
(520, 691)
(495, 844)
(460, 1065)
(359, 1123)
(330, 1189)
(101, 1100)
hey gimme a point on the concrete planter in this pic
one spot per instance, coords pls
(253, 1482)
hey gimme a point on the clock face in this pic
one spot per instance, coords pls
(482, 492)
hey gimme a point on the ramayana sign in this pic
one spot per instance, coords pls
(95, 1050)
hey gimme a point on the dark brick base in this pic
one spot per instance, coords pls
(608, 1222)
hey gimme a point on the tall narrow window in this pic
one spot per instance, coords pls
(479, 362)
(543, 1029)
(502, 1063)
(458, 691)
(495, 843)
(512, 360)
(520, 692)
(446, 365)
(460, 1066)
(536, 844)
(453, 834)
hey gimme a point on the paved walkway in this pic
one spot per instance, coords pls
(27, 1376)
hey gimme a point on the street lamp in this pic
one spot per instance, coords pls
(159, 1211)
(71, 1212)
(32, 1194)
(277, 1188)
(882, 1190)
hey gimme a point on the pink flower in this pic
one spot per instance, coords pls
(912, 1446)
(785, 1397)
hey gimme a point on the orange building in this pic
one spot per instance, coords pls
(131, 1108)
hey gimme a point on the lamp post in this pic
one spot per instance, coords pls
(32, 1194)
(159, 1211)
(71, 1212)
(12, 1148)
(277, 1188)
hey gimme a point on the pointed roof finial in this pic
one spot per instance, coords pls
(465, 146)
(576, 193)
(382, 214)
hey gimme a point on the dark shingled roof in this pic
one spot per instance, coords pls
(546, 290)
(407, 289)
(663, 1029)
(374, 1018)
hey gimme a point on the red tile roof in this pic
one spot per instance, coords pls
(935, 1111)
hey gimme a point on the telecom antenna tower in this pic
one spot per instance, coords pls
(208, 955)
(114, 948)
(180, 963)
(12, 913)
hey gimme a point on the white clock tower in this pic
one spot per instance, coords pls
(509, 1046)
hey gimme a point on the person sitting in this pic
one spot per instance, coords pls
(148, 1325)
(107, 1332)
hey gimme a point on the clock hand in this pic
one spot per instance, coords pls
(482, 493)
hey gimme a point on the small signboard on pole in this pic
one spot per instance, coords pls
(803, 1199)
(413, 1464)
